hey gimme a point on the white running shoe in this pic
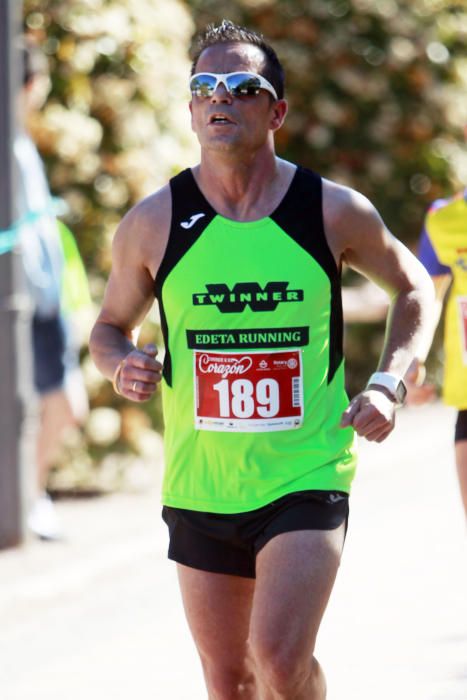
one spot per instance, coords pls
(43, 520)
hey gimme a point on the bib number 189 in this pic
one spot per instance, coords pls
(242, 398)
(248, 391)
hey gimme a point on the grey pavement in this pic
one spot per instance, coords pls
(98, 616)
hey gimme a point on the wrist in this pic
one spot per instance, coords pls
(390, 384)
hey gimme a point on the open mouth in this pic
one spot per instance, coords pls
(219, 119)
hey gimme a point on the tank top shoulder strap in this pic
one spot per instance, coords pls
(191, 214)
(300, 215)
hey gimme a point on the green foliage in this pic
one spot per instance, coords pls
(116, 124)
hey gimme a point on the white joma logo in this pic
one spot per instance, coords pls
(192, 221)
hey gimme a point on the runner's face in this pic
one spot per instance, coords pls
(226, 123)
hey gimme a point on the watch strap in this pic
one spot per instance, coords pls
(391, 382)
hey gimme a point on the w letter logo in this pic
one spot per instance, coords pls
(247, 294)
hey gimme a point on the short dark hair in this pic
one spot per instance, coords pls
(226, 33)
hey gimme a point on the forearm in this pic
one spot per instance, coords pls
(441, 285)
(427, 338)
(408, 326)
(108, 345)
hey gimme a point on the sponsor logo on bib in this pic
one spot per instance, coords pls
(227, 366)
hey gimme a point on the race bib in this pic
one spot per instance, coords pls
(248, 392)
(462, 306)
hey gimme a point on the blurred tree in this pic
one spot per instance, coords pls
(377, 97)
(115, 127)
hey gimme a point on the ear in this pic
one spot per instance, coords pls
(190, 107)
(278, 114)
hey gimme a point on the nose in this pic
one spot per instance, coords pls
(221, 94)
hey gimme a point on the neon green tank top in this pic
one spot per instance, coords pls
(447, 229)
(253, 383)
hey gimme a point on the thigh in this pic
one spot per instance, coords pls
(217, 608)
(295, 573)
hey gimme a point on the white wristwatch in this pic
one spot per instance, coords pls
(391, 382)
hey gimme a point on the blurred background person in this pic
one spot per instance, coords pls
(443, 252)
(58, 287)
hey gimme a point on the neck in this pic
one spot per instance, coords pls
(242, 189)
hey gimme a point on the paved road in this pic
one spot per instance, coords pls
(98, 617)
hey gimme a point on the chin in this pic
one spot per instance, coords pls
(220, 144)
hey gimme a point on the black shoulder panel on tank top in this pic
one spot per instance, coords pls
(300, 215)
(191, 214)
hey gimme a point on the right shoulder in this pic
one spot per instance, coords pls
(143, 233)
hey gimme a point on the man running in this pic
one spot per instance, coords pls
(243, 253)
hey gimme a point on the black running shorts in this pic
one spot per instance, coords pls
(228, 544)
(461, 426)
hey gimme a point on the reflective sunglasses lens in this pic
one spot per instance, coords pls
(203, 85)
(243, 84)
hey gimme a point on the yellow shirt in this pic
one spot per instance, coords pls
(446, 227)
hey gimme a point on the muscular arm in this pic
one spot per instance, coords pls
(358, 237)
(137, 251)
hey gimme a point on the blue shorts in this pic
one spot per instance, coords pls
(48, 341)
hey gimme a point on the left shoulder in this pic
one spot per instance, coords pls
(349, 217)
(341, 202)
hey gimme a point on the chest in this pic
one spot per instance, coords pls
(239, 271)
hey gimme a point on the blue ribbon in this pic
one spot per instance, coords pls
(7, 240)
(9, 236)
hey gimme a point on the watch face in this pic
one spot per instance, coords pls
(401, 392)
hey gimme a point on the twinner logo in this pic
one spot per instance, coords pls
(247, 294)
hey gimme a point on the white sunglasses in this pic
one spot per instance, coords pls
(239, 84)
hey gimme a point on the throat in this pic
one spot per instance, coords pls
(241, 196)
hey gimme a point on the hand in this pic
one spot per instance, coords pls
(140, 374)
(372, 415)
(418, 390)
